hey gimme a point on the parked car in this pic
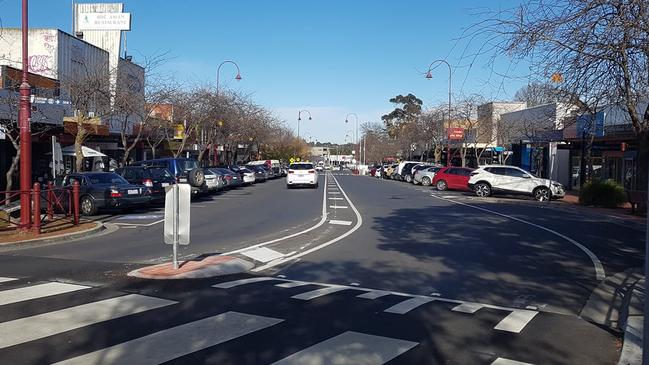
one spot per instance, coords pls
(302, 173)
(185, 170)
(105, 190)
(247, 176)
(488, 180)
(271, 173)
(220, 179)
(155, 178)
(452, 178)
(426, 175)
(410, 177)
(390, 171)
(232, 179)
(261, 175)
(211, 180)
(403, 170)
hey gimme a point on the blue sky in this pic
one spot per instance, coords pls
(331, 57)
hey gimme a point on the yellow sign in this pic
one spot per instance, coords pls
(179, 131)
(291, 160)
(556, 77)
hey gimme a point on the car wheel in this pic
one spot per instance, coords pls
(288, 186)
(408, 178)
(425, 181)
(315, 186)
(441, 185)
(482, 190)
(197, 177)
(541, 194)
(88, 206)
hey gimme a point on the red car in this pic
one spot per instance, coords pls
(453, 178)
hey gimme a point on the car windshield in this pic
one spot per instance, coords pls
(187, 165)
(159, 173)
(301, 166)
(106, 178)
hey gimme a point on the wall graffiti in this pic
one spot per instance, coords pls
(40, 63)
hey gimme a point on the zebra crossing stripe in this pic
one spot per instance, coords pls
(232, 284)
(374, 294)
(516, 320)
(336, 199)
(292, 284)
(32, 328)
(319, 292)
(172, 343)
(342, 223)
(503, 361)
(338, 206)
(467, 308)
(37, 291)
(408, 305)
(350, 348)
(4, 280)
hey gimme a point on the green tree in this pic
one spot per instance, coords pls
(408, 111)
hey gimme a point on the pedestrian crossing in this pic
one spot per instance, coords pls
(187, 337)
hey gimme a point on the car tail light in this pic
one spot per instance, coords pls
(290, 171)
(228, 177)
(148, 183)
(114, 193)
(311, 171)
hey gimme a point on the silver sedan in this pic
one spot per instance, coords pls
(425, 176)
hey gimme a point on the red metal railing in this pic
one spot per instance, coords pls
(57, 204)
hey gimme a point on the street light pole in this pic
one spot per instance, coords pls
(429, 75)
(299, 118)
(356, 135)
(24, 125)
(218, 74)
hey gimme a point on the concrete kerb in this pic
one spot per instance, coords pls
(632, 322)
(207, 267)
(99, 227)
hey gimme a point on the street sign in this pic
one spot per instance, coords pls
(177, 212)
(455, 134)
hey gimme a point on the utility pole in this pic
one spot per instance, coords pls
(25, 132)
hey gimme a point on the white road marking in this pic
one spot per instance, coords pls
(374, 294)
(138, 224)
(319, 292)
(468, 307)
(408, 305)
(503, 361)
(232, 284)
(37, 291)
(338, 206)
(350, 348)
(335, 192)
(336, 198)
(263, 254)
(600, 274)
(516, 320)
(4, 280)
(342, 223)
(359, 223)
(172, 343)
(292, 284)
(323, 219)
(32, 328)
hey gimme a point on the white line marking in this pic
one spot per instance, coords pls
(4, 280)
(336, 198)
(37, 291)
(32, 328)
(599, 269)
(467, 307)
(359, 223)
(323, 219)
(319, 292)
(292, 284)
(503, 361)
(374, 294)
(263, 254)
(138, 224)
(172, 343)
(342, 223)
(408, 305)
(334, 192)
(350, 348)
(232, 284)
(516, 320)
(338, 206)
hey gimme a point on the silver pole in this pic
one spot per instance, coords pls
(176, 223)
(645, 330)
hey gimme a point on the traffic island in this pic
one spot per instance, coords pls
(62, 231)
(207, 267)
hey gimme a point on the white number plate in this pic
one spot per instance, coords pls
(165, 185)
(133, 191)
(183, 180)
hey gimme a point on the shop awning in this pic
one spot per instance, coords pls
(87, 152)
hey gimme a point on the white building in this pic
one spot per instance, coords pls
(489, 115)
(536, 122)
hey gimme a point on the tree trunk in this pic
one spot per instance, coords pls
(10, 175)
(78, 142)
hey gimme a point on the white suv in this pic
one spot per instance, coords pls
(491, 179)
(301, 173)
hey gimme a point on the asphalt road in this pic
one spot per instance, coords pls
(370, 271)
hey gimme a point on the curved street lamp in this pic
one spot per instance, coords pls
(356, 136)
(299, 118)
(218, 73)
(429, 76)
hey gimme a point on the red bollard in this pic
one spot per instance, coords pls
(50, 200)
(75, 201)
(36, 202)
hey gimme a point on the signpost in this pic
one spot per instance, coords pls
(177, 212)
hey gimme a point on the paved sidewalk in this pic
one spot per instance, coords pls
(633, 324)
(66, 233)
